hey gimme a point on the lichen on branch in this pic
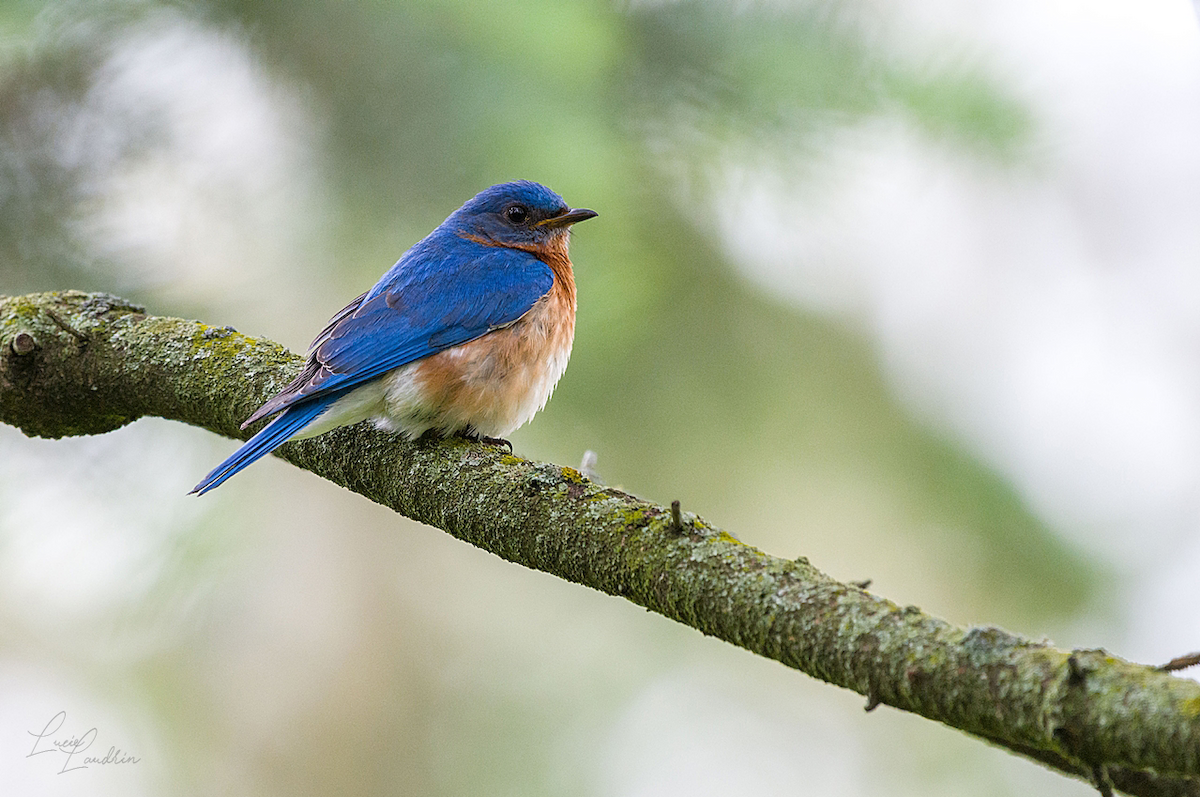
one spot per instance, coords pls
(74, 363)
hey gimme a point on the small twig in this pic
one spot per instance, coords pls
(65, 327)
(587, 466)
(1180, 662)
(23, 344)
(676, 517)
(874, 701)
(1101, 780)
(862, 584)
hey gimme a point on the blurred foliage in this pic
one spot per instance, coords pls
(689, 382)
(775, 75)
(424, 103)
(40, 186)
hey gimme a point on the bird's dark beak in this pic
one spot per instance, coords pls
(568, 218)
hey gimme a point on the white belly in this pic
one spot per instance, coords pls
(494, 394)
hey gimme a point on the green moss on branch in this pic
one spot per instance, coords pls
(74, 363)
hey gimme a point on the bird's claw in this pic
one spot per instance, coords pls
(498, 442)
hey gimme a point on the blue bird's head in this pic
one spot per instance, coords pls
(520, 214)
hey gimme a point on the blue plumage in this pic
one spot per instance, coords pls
(482, 269)
(431, 304)
(270, 437)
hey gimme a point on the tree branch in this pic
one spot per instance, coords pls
(74, 363)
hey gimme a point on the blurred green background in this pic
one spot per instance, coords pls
(258, 164)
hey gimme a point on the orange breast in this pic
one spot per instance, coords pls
(497, 382)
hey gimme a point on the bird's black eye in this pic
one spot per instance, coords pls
(517, 214)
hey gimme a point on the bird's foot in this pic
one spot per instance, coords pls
(498, 442)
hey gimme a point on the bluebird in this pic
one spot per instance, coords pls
(468, 333)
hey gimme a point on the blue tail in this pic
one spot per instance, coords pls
(269, 438)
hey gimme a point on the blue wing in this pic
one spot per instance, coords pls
(440, 294)
(434, 298)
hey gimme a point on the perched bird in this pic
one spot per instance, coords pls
(468, 332)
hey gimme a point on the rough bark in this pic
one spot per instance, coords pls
(74, 363)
